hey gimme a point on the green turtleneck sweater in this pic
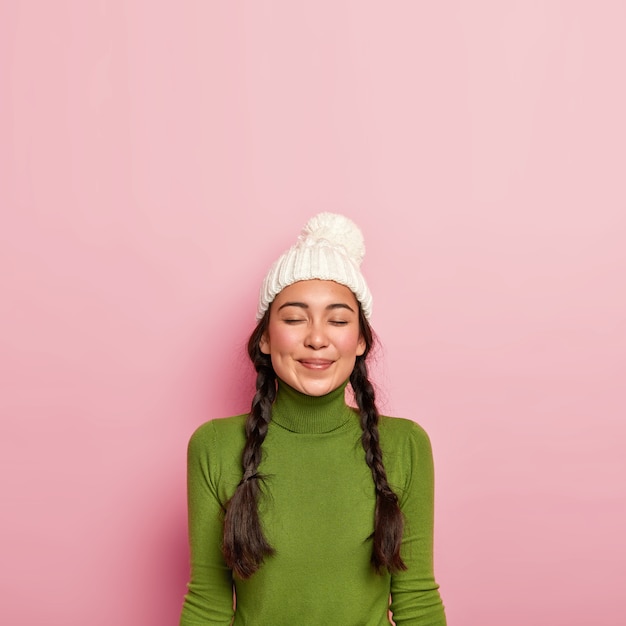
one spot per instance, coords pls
(317, 513)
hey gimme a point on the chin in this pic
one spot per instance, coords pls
(318, 389)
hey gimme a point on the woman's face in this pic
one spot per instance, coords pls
(313, 336)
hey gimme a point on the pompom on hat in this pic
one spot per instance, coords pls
(330, 247)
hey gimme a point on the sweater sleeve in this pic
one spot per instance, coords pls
(415, 599)
(210, 589)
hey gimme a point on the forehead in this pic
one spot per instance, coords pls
(312, 292)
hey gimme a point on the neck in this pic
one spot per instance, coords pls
(300, 413)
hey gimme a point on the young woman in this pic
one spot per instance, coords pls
(307, 511)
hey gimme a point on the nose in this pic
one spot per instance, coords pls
(316, 337)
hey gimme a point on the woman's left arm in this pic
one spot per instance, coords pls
(415, 599)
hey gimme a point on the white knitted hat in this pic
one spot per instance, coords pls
(330, 247)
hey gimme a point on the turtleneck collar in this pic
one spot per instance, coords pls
(314, 415)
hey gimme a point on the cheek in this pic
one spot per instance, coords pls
(350, 344)
(281, 339)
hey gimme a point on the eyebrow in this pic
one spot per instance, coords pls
(330, 307)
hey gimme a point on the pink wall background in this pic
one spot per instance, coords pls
(155, 158)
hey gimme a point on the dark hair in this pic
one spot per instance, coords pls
(244, 545)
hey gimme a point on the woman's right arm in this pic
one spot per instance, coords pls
(210, 589)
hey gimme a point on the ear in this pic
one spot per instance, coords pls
(360, 346)
(264, 344)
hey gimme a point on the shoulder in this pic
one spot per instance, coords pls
(407, 453)
(399, 431)
(214, 455)
(218, 435)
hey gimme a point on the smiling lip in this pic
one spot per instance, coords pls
(316, 364)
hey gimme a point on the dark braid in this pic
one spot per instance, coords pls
(388, 520)
(244, 545)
